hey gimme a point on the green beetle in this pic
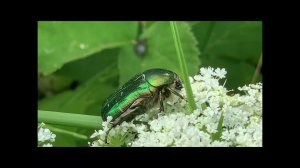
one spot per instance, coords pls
(139, 94)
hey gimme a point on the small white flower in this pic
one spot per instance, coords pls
(220, 144)
(198, 78)
(206, 71)
(109, 118)
(191, 80)
(44, 135)
(48, 145)
(220, 73)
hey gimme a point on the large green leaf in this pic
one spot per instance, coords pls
(161, 51)
(91, 93)
(84, 69)
(239, 40)
(62, 42)
(87, 98)
(234, 45)
(79, 70)
(239, 73)
(51, 84)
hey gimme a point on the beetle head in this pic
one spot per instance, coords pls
(178, 84)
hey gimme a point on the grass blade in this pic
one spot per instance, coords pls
(183, 66)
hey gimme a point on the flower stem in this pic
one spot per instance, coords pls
(183, 66)
(67, 132)
(69, 119)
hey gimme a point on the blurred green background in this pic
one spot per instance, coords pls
(81, 63)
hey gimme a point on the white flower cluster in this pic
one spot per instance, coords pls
(118, 136)
(220, 120)
(45, 136)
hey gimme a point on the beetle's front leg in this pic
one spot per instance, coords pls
(160, 99)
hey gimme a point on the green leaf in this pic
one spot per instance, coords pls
(239, 40)
(62, 42)
(202, 31)
(90, 94)
(238, 74)
(84, 69)
(161, 51)
(86, 99)
(149, 24)
(53, 83)
(192, 23)
(234, 45)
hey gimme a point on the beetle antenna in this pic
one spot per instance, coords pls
(176, 93)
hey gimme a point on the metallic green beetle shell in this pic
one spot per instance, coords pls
(147, 83)
(159, 77)
(122, 98)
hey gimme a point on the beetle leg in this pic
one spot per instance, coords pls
(166, 93)
(160, 99)
(135, 108)
(174, 92)
(114, 123)
(132, 111)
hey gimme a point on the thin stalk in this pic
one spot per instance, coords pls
(69, 119)
(257, 70)
(67, 132)
(183, 66)
(217, 135)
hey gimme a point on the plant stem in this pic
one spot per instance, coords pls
(257, 70)
(183, 66)
(69, 119)
(217, 135)
(67, 132)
